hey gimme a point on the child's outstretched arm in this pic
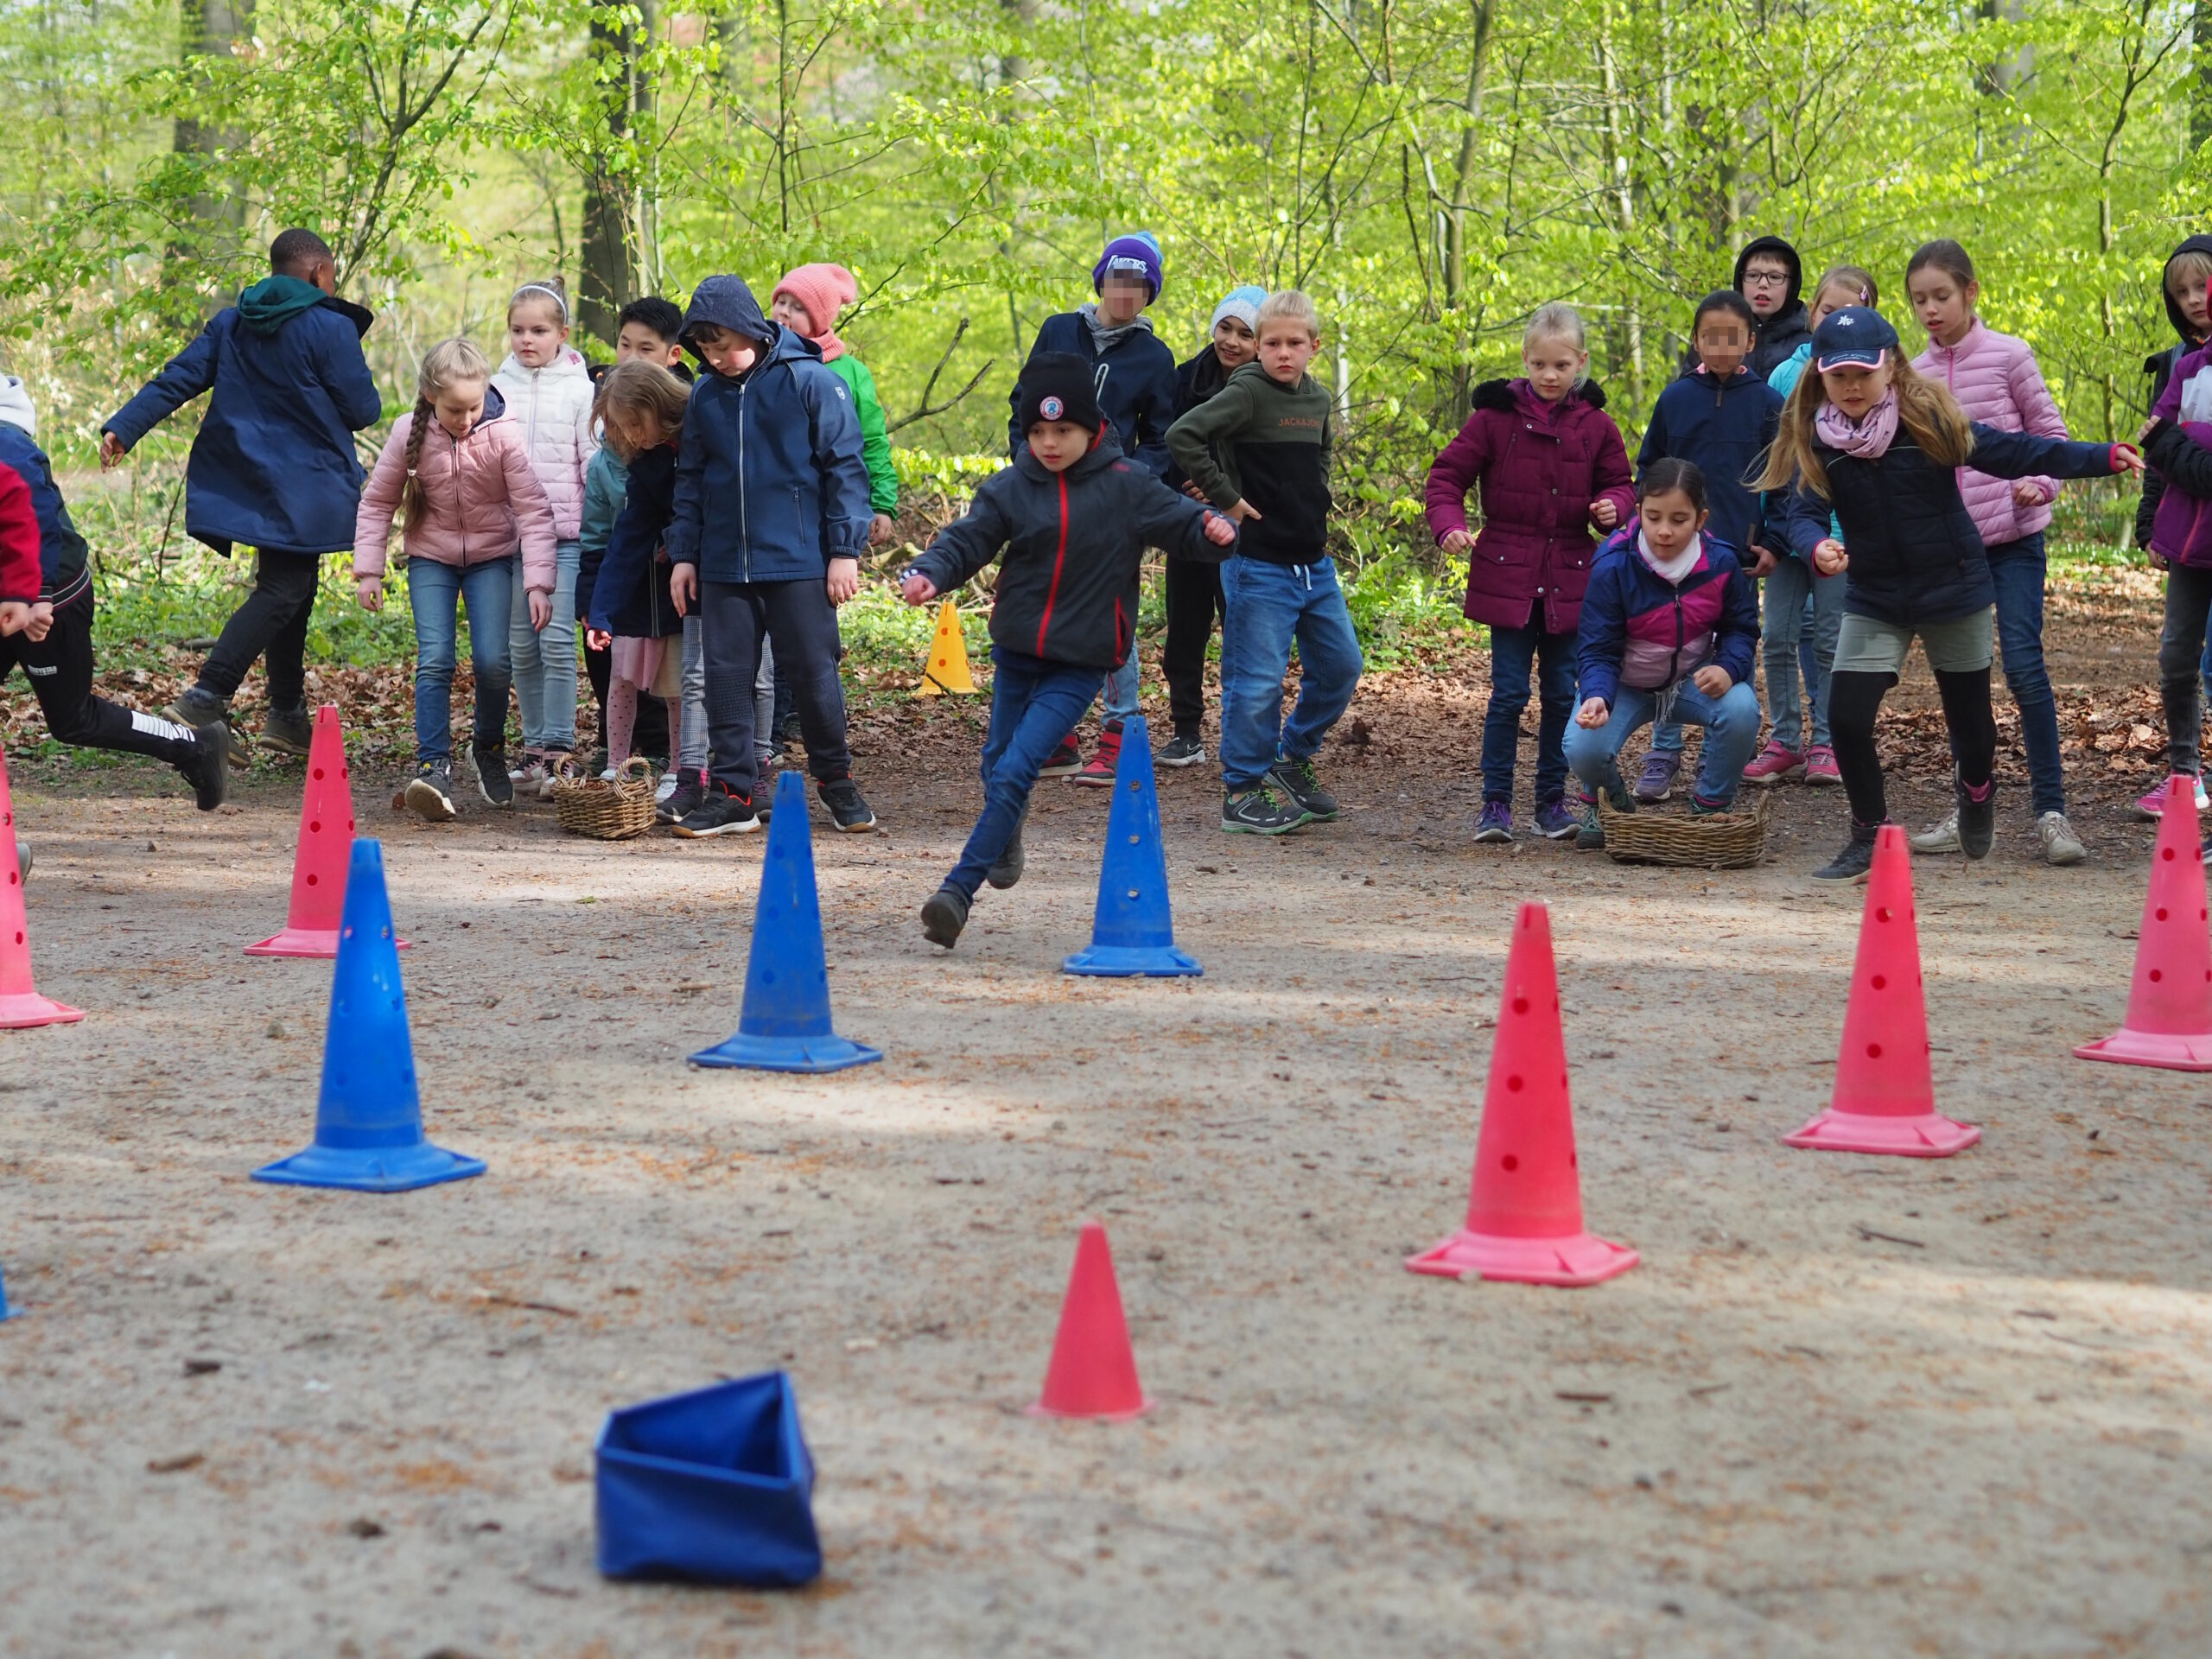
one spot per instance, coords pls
(1458, 466)
(2022, 454)
(1168, 519)
(182, 378)
(962, 548)
(1190, 441)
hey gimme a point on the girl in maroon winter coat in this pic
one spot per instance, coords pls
(1550, 464)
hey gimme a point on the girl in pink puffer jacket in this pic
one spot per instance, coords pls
(1995, 379)
(477, 529)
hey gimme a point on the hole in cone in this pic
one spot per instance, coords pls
(767, 976)
(315, 826)
(19, 936)
(1873, 1050)
(347, 933)
(1520, 1005)
(313, 879)
(318, 772)
(1509, 1161)
(1133, 893)
(1513, 1083)
(1881, 982)
(2161, 912)
(2156, 974)
(2165, 852)
(1882, 913)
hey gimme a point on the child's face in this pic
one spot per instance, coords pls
(458, 406)
(1058, 445)
(1233, 344)
(725, 352)
(1119, 299)
(1723, 343)
(1285, 349)
(793, 315)
(1554, 364)
(1669, 519)
(637, 344)
(1766, 284)
(2189, 293)
(536, 333)
(1943, 303)
(640, 427)
(1854, 390)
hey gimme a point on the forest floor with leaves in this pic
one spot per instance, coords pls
(1845, 1405)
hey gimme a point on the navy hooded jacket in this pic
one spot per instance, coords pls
(770, 485)
(63, 570)
(1724, 427)
(629, 595)
(274, 465)
(1136, 387)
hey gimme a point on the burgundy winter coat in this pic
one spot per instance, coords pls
(1539, 465)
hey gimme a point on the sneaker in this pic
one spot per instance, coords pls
(1820, 769)
(558, 762)
(2061, 846)
(209, 770)
(683, 800)
(1977, 819)
(2154, 803)
(723, 812)
(1944, 838)
(1295, 776)
(1182, 752)
(788, 732)
(1701, 808)
(846, 807)
(1556, 821)
(195, 709)
(944, 912)
(1773, 764)
(1011, 863)
(498, 789)
(1850, 865)
(1496, 823)
(1066, 759)
(1098, 772)
(531, 772)
(429, 795)
(289, 731)
(1259, 810)
(666, 787)
(1656, 781)
(1590, 833)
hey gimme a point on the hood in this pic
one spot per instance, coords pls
(1105, 336)
(2190, 245)
(1782, 251)
(1511, 396)
(1104, 453)
(271, 303)
(15, 406)
(727, 303)
(569, 365)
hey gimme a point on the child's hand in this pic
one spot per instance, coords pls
(1244, 511)
(540, 609)
(15, 616)
(684, 587)
(1763, 565)
(2026, 492)
(2126, 458)
(111, 451)
(369, 590)
(597, 641)
(1219, 531)
(1713, 680)
(1604, 513)
(1193, 492)
(1593, 713)
(916, 588)
(1457, 541)
(844, 579)
(1829, 556)
(41, 622)
(880, 530)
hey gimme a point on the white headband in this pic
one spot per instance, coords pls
(540, 288)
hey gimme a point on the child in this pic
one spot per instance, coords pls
(1996, 382)
(807, 301)
(45, 602)
(1073, 518)
(769, 518)
(1133, 374)
(547, 386)
(457, 467)
(1769, 274)
(1865, 436)
(1259, 450)
(1720, 416)
(1194, 584)
(1670, 626)
(272, 466)
(2178, 442)
(1550, 463)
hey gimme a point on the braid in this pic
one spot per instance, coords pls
(413, 502)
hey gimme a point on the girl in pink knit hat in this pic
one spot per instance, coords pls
(807, 302)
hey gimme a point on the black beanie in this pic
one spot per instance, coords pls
(1058, 386)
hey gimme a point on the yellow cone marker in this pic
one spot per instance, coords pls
(947, 668)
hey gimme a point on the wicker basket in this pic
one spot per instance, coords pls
(1728, 840)
(606, 810)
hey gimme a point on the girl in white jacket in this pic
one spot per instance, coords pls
(547, 390)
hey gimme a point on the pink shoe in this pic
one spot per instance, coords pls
(2155, 803)
(1820, 768)
(1774, 764)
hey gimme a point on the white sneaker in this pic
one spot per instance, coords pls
(668, 782)
(2061, 846)
(1944, 838)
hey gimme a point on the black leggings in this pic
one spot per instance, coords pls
(1855, 698)
(59, 669)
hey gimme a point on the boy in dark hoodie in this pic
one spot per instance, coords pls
(273, 467)
(1769, 274)
(771, 518)
(1073, 517)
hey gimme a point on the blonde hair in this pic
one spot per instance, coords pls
(1926, 410)
(639, 388)
(449, 364)
(536, 291)
(1854, 281)
(1289, 305)
(1557, 319)
(2187, 263)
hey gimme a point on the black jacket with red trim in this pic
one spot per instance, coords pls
(1074, 544)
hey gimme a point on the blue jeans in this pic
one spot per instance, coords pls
(435, 593)
(691, 741)
(545, 663)
(1265, 608)
(1790, 588)
(1034, 704)
(1122, 689)
(1513, 652)
(1731, 729)
(2017, 569)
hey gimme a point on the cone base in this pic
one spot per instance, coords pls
(2170, 1050)
(21, 1010)
(378, 1169)
(1578, 1259)
(1041, 1409)
(1928, 1134)
(319, 943)
(1130, 961)
(785, 1054)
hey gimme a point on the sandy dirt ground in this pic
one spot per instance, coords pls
(1846, 1406)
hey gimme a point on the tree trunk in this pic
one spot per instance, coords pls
(211, 28)
(2199, 93)
(612, 199)
(1454, 262)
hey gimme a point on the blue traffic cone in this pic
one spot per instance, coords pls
(785, 1025)
(368, 1125)
(1133, 934)
(6, 1313)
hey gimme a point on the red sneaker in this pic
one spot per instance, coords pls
(1098, 772)
(1774, 764)
(1820, 768)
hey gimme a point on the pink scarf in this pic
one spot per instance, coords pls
(1868, 440)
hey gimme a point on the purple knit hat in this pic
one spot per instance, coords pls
(1134, 255)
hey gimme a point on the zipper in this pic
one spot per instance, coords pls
(744, 528)
(1060, 559)
(460, 515)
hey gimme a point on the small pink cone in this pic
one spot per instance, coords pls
(326, 848)
(1094, 1370)
(21, 1006)
(2169, 1021)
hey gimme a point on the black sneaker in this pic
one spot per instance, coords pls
(208, 772)
(1977, 819)
(1065, 761)
(197, 709)
(689, 792)
(847, 807)
(723, 812)
(491, 775)
(1851, 865)
(944, 912)
(430, 795)
(1182, 752)
(289, 731)
(1295, 776)
(1259, 810)
(1011, 863)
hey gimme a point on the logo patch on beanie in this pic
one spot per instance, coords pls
(1052, 408)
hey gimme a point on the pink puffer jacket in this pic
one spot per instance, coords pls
(1995, 379)
(483, 500)
(554, 407)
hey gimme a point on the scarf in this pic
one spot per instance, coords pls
(1671, 570)
(1867, 440)
(1105, 336)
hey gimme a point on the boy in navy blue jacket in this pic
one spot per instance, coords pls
(273, 467)
(772, 515)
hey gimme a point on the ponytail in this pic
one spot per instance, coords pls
(412, 502)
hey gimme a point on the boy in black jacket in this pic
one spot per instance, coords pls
(1073, 517)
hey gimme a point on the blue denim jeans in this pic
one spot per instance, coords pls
(1034, 704)
(1265, 608)
(1122, 689)
(435, 593)
(1513, 654)
(1731, 729)
(545, 663)
(691, 741)
(2017, 569)
(1788, 589)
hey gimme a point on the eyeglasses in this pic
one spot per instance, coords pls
(1765, 278)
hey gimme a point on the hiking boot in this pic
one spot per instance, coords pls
(1063, 760)
(1009, 865)
(197, 708)
(2061, 846)
(429, 795)
(1556, 821)
(2154, 802)
(1850, 865)
(1098, 772)
(944, 912)
(1496, 823)
(208, 772)
(1656, 781)
(1944, 838)
(1773, 764)
(498, 789)
(1294, 774)
(1977, 818)
(723, 812)
(1182, 751)
(1820, 769)
(1259, 810)
(288, 731)
(690, 789)
(846, 808)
